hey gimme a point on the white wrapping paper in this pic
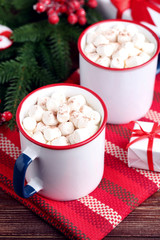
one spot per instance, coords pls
(137, 152)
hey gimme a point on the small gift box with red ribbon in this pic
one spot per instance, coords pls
(144, 146)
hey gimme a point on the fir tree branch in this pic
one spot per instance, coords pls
(8, 53)
(93, 16)
(19, 5)
(60, 50)
(8, 71)
(33, 32)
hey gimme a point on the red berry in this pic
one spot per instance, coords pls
(46, 2)
(58, 9)
(69, 10)
(81, 2)
(6, 116)
(75, 5)
(63, 8)
(53, 19)
(92, 3)
(51, 11)
(72, 18)
(80, 12)
(82, 20)
(40, 7)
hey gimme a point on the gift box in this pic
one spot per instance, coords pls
(144, 146)
(146, 12)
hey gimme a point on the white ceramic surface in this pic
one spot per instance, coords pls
(128, 92)
(64, 172)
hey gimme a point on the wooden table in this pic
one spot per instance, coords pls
(18, 222)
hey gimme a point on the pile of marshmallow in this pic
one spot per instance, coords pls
(118, 46)
(59, 120)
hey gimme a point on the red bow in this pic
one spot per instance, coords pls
(141, 134)
(138, 8)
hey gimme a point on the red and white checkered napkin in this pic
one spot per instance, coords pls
(120, 191)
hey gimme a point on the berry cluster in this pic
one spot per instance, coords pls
(5, 117)
(72, 8)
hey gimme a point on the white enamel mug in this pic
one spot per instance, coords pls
(60, 172)
(127, 92)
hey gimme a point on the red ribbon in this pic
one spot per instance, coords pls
(139, 9)
(141, 134)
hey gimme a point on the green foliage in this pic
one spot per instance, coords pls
(41, 53)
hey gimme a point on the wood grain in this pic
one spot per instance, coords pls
(18, 222)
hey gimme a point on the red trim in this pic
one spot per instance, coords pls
(69, 146)
(117, 69)
(6, 33)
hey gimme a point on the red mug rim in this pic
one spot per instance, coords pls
(117, 69)
(68, 146)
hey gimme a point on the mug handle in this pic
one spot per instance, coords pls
(20, 167)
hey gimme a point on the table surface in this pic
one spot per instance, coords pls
(18, 222)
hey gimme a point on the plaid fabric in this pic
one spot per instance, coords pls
(121, 190)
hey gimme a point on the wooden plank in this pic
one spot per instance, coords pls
(18, 222)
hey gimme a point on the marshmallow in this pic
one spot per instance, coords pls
(111, 35)
(122, 53)
(99, 40)
(90, 48)
(76, 102)
(66, 128)
(85, 122)
(61, 141)
(93, 56)
(38, 136)
(148, 48)
(42, 102)
(92, 129)
(119, 27)
(36, 112)
(40, 127)
(100, 29)
(91, 117)
(90, 37)
(138, 40)
(63, 113)
(95, 117)
(60, 96)
(145, 57)
(51, 133)
(29, 123)
(48, 118)
(132, 51)
(124, 36)
(134, 61)
(75, 116)
(53, 104)
(104, 61)
(79, 135)
(131, 29)
(127, 45)
(90, 113)
(117, 63)
(57, 99)
(105, 50)
(115, 45)
(85, 109)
